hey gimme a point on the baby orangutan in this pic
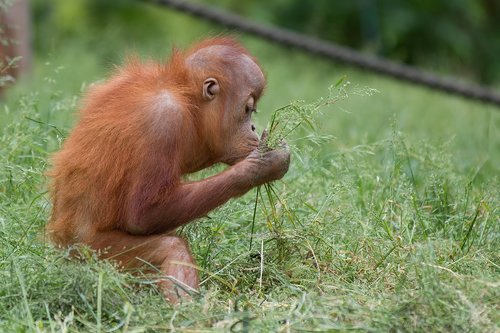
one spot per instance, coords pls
(117, 181)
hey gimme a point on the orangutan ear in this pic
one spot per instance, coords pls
(211, 88)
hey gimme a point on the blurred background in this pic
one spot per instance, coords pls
(452, 37)
(74, 43)
(456, 37)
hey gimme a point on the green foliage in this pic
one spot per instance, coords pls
(391, 226)
(459, 37)
(455, 37)
(385, 236)
(300, 115)
(6, 63)
(284, 122)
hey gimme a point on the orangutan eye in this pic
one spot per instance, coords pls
(250, 107)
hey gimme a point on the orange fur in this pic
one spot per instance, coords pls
(117, 181)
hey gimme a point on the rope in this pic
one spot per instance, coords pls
(335, 52)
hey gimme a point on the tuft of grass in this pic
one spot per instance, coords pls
(285, 121)
(297, 115)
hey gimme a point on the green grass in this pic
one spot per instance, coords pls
(396, 221)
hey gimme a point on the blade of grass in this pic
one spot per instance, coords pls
(253, 216)
(20, 278)
(99, 302)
